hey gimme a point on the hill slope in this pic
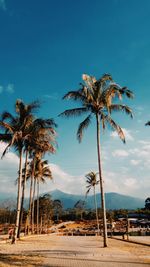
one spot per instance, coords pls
(113, 200)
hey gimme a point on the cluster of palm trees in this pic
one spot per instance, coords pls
(31, 138)
(34, 137)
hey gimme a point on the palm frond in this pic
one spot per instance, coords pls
(83, 125)
(127, 92)
(5, 150)
(87, 191)
(105, 78)
(118, 107)
(74, 112)
(5, 137)
(114, 126)
(8, 116)
(6, 126)
(76, 95)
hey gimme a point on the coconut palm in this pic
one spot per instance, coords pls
(42, 172)
(92, 182)
(15, 132)
(96, 98)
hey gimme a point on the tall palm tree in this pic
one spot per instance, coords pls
(15, 132)
(92, 182)
(96, 98)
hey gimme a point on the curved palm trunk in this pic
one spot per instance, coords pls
(101, 183)
(18, 199)
(23, 195)
(96, 210)
(37, 214)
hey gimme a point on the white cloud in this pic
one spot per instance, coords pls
(135, 162)
(130, 182)
(120, 153)
(65, 181)
(3, 4)
(8, 171)
(127, 134)
(10, 88)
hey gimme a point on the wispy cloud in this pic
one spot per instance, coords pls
(9, 88)
(53, 96)
(127, 134)
(3, 4)
(135, 162)
(120, 153)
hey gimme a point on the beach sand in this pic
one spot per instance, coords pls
(74, 251)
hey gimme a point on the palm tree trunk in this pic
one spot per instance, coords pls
(23, 195)
(32, 219)
(30, 203)
(96, 210)
(31, 193)
(18, 199)
(37, 219)
(101, 183)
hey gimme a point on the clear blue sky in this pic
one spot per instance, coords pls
(45, 48)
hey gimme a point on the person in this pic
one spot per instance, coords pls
(10, 233)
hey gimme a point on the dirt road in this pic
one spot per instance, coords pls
(73, 251)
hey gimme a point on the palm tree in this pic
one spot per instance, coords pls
(96, 97)
(92, 182)
(42, 172)
(15, 132)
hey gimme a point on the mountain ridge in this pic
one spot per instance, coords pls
(113, 200)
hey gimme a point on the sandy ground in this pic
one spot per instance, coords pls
(73, 251)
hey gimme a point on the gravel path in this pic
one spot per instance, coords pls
(73, 251)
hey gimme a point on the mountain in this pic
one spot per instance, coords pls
(113, 200)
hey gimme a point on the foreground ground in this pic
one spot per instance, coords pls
(73, 251)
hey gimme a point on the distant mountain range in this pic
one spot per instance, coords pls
(113, 200)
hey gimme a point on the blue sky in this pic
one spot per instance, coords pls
(45, 48)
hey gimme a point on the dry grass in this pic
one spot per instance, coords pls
(7, 260)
